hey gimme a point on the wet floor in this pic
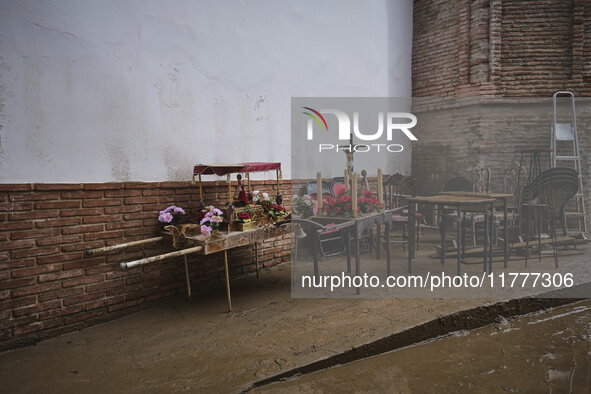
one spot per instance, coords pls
(544, 352)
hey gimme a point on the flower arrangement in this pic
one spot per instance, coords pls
(304, 205)
(342, 205)
(243, 217)
(212, 217)
(368, 202)
(257, 196)
(277, 210)
(171, 215)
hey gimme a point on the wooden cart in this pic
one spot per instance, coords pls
(187, 240)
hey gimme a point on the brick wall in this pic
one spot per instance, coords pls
(495, 48)
(48, 285)
(501, 47)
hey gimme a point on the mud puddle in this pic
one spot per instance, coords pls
(543, 352)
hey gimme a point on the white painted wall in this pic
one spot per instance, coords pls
(95, 91)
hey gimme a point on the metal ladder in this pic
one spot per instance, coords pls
(566, 135)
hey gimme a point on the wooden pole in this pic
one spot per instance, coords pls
(227, 280)
(200, 189)
(159, 257)
(248, 180)
(319, 191)
(346, 180)
(277, 181)
(380, 187)
(354, 194)
(187, 276)
(229, 190)
(122, 246)
(256, 256)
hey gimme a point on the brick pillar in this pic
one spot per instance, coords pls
(464, 42)
(479, 41)
(495, 44)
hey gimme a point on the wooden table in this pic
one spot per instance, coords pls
(354, 227)
(224, 241)
(503, 197)
(460, 203)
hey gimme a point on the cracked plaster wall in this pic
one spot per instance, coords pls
(115, 91)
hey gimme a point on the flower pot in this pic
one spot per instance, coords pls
(241, 226)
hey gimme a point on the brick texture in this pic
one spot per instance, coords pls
(47, 282)
(509, 48)
(471, 50)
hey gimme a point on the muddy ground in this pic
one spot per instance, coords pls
(176, 345)
(542, 352)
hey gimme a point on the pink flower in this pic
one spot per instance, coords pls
(205, 230)
(205, 220)
(165, 217)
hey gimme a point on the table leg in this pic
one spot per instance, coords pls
(418, 231)
(387, 237)
(485, 240)
(227, 281)
(315, 248)
(492, 236)
(187, 276)
(256, 256)
(411, 236)
(459, 238)
(539, 218)
(348, 250)
(463, 234)
(295, 249)
(378, 237)
(506, 234)
(357, 255)
(442, 230)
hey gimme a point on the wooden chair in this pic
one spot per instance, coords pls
(395, 200)
(513, 177)
(481, 176)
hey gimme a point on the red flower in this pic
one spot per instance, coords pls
(337, 210)
(347, 206)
